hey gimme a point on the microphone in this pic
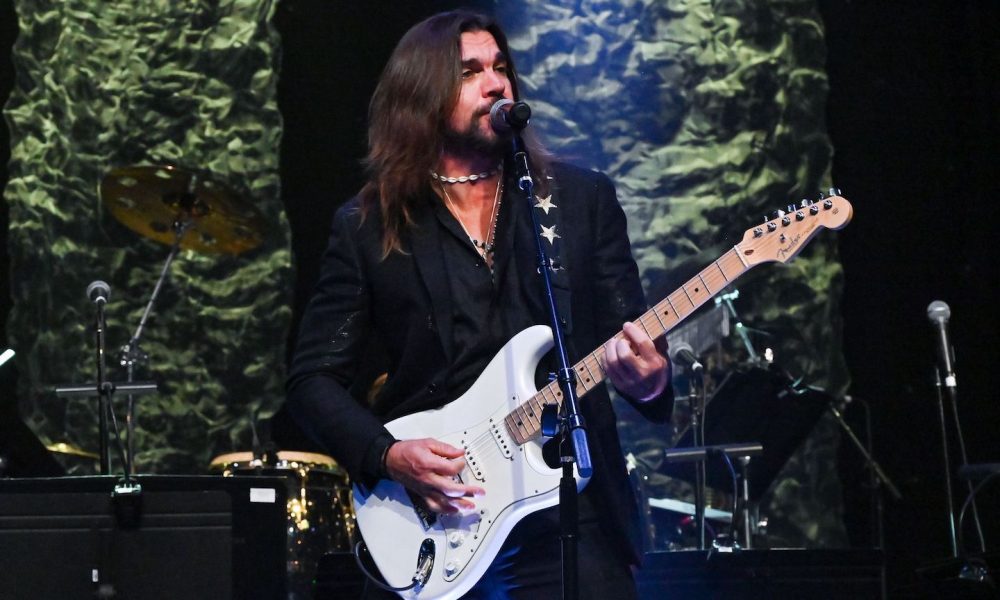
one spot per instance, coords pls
(507, 115)
(98, 292)
(683, 354)
(938, 312)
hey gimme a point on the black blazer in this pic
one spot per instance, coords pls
(403, 304)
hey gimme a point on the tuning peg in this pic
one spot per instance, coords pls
(820, 195)
(834, 191)
(827, 204)
(805, 202)
(786, 220)
(790, 208)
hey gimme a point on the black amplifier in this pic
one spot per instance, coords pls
(179, 537)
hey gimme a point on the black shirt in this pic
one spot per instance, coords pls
(488, 308)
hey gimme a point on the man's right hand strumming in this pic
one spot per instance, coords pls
(428, 468)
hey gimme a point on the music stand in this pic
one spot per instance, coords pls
(755, 405)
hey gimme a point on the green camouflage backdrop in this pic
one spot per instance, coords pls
(101, 85)
(708, 114)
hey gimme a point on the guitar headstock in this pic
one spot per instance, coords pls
(784, 236)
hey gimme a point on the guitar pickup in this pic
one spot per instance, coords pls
(472, 465)
(503, 442)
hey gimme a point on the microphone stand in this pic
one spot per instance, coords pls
(104, 391)
(699, 433)
(939, 312)
(727, 301)
(696, 401)
(572, 429)
(949, 383)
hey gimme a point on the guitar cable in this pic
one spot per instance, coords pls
(419, 577)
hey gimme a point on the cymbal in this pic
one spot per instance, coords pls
(64, 448)
(154, 201)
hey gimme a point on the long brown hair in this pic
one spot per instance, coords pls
(408, 113)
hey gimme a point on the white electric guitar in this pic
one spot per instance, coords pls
(497, 423)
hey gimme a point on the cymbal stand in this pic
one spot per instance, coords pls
(131, 353)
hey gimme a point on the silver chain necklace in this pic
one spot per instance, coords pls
(483, 248)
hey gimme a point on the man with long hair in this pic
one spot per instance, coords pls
(433, 264)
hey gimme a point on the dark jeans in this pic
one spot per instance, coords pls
(529, 565)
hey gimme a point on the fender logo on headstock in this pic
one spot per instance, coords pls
(789, 249)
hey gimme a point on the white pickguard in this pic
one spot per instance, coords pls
(516, 479)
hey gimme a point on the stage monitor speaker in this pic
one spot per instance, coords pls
(182, 537)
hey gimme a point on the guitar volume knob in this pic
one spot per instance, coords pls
(456, 538)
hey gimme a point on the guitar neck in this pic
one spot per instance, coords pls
(524, 423)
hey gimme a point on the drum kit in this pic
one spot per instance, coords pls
(189, 210)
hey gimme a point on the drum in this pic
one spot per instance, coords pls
(320, 510)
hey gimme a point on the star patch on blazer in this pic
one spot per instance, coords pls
(545, 203)
(549, 233)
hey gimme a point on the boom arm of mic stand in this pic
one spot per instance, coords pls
(864, 452)
(727, 300)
